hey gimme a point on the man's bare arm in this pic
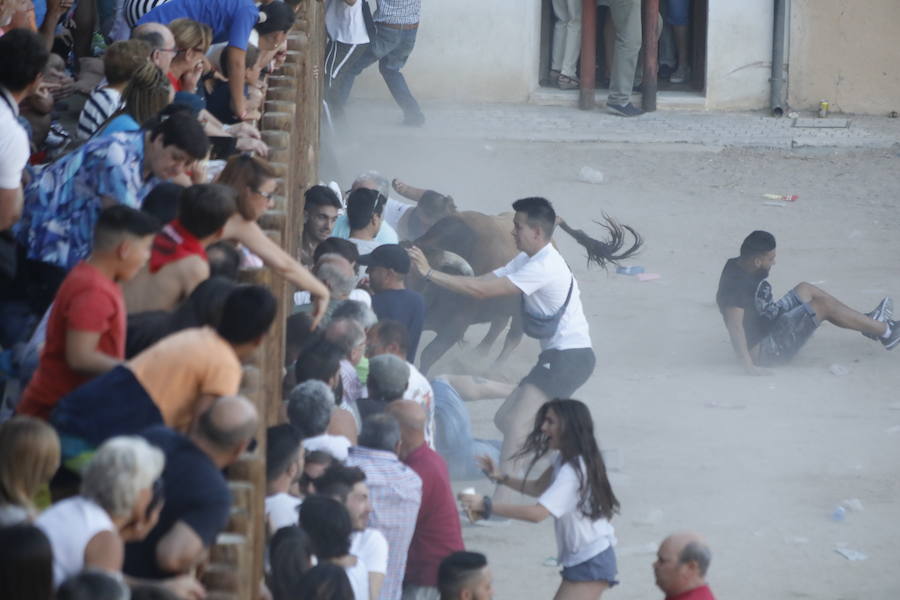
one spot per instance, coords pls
(485, 286)
(734, 322)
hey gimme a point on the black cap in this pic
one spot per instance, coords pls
(390, 256)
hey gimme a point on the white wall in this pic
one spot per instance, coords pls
(488, 51)
(739, 54)
(480, 50)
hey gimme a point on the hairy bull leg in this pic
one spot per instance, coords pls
(438, 347)
(497, 326)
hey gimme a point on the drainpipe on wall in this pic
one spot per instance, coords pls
(779, 75)
(588, 54)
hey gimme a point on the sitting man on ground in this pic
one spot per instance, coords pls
(388, 267)
(465, 576)
(348, 486)
(390, 337)
(172, 382)
(284, 466)
(767, 333)
(198, 501)
(320, 213)
(86, 326)
(681, 565)
(309, 410)
(178, 261)
(387, 382)
(396, 493)
(438, 531)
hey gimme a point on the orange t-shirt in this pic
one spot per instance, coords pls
(87, 300)
(180, 368)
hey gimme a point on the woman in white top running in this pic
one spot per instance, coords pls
(574, 490)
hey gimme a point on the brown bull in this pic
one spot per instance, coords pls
(473, 243)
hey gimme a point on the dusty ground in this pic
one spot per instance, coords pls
(757, 464)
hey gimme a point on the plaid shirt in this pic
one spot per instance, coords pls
(398, 12)
(396, 492)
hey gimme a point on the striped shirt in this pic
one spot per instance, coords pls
(135, 9)
(398, 12)
(100, 105)
(396, 493)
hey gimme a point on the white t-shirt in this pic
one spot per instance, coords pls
(335, 445)
(577, 537)
(281, 510)
(301, 298)
(70, 525)
(14, 147)
(394, 211)
(359, 579)
(544, 279)
(419, 391)
(371, 546)
(345, 23)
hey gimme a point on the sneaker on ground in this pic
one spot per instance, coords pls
(894, 339)
(882, 313)
(624, 110)
(681, 75)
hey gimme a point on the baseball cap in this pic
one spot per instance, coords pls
(390, 256)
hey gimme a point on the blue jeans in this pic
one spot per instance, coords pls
(390, 49)
(453, 434)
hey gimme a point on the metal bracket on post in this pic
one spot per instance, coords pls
(650, 20)
(588, 54)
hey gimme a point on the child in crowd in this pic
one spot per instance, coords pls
(86, 327)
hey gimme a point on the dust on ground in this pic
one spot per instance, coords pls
(756, 464)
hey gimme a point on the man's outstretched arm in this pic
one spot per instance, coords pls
(485, 286)
(734, 322)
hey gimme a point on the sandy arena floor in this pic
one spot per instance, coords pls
(756, 464)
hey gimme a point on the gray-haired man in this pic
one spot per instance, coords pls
(681, 565)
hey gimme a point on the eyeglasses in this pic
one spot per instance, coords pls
(267, 196)
(172, 50)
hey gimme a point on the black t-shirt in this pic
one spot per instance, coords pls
(737, 288)
(405, 306)
(196, 492)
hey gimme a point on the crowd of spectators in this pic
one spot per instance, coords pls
(124, 334)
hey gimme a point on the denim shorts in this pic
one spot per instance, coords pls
(678, 12)
(558, 373)
(599, 568)
(789, 332)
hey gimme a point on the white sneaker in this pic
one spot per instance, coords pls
(681, 75)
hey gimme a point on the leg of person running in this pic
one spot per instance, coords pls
(828, 308)
(408, 191)
(580, 590)
(515, 419)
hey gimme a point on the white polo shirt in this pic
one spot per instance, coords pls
(544, 279)
(14, 147)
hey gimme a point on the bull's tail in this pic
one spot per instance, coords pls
(603, 253)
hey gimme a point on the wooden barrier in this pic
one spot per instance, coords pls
(290, 126)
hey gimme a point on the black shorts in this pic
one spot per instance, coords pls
(789, 332)
(559, 373)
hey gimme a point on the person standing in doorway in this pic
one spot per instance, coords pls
(396, 26)
(566, 44)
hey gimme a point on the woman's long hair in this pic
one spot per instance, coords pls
(576, 443)
(30, 448)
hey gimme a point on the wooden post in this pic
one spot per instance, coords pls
(650, 18)
(588, 55)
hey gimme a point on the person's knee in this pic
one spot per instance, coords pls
(806, 291)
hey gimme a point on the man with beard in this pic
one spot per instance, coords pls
(766, 333)
(320, 214)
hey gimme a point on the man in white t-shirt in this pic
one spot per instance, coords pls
(347, 41)
(25, 55)
(552, 312)
(373, 180)
(365, 208)
(284, 465)
(348, 486)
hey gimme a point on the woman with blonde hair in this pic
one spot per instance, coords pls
(255, 181)
(147, 93)
(192, 40)
(29, 456)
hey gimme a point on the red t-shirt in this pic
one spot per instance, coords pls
(698, 593)
(176, 83)
(87, 300)
(172, 244)
(438, 532)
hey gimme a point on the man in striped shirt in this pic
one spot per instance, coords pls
(395, 491)
(396, 26)
(120, 61)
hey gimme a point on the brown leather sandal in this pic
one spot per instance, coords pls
(568, 83)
